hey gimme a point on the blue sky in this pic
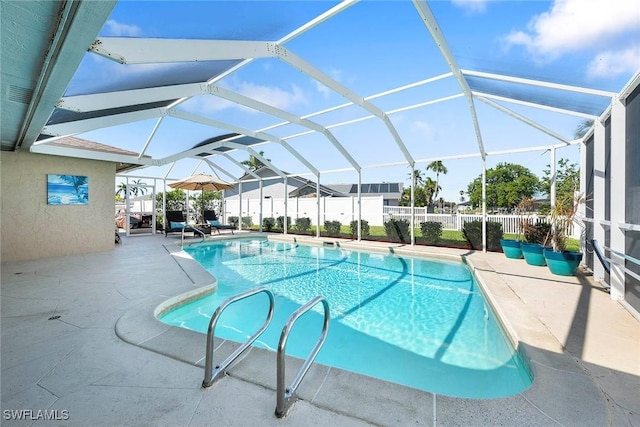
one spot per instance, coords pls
(373, 47)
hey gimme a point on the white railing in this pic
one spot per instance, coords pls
(510, 223)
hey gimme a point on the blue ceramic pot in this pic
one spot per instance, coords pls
(562, 263)
(533, 253)
(511, 248)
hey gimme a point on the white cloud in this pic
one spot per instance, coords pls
(614, 63)
(274, 96)
(337, 75)
(577, 25)
(114, 28)
(471, 6)
(424, 130)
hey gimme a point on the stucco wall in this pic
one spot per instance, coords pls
(32, 229)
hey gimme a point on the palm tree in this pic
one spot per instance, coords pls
(438, 167)
(136, 187)
(430, 189)
(582, 128)
(418, 179)
(254, 163)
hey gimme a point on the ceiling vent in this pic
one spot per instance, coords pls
(20, 94)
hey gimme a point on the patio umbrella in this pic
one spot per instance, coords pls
(202, 182)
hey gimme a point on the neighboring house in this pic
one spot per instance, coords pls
(390, 191)
(273, 187)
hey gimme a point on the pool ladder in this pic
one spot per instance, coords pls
(285, 396)
(194, 232)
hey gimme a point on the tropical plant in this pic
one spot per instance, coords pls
(567, 179)
(431, 231)
(253, 163)
(397, 230)
(247, 222)
(176, 200)
(332, 228)
(234, 220)
(472, 232)
(303, 225)
(563, 216)
(439, 168)
(582, 128)
(280, 221)
(418, 179)
(507, 184)
(364, 228)
(268, 223)
(204, 200)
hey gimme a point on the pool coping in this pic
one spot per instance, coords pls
(561, 392)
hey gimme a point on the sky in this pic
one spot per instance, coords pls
(372, 47)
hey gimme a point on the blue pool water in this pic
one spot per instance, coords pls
(421, 323)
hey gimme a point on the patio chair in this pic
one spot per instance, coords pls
(175, 222)
(211, 218)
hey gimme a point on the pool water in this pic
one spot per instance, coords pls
(418, 322)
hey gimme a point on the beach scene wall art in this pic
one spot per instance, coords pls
(67, 189)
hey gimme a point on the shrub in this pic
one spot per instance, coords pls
(233, 220)
(280, 221)
(303, 225)
(538, 232)
(397, 230)
(472, 232)
(431, 231)
(247, 222)
(332, 227)
(364, 229)
(268, 223)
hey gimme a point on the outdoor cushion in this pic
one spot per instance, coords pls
(176, 224)
(213, 222)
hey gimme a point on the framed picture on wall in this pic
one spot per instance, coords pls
(67, 189)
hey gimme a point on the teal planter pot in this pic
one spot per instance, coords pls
(511, 248)
(534, 254)
(562, 263)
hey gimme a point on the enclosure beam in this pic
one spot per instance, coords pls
(599, 192)
(618, 198)
(432, 25)
(484, 204)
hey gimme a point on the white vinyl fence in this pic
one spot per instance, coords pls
(345, 210)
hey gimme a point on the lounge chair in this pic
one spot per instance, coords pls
(175, 222)
(211, 218)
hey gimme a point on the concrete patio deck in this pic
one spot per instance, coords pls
(79, 337)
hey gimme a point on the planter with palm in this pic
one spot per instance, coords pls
(563, 217)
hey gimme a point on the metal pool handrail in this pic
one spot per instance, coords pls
(211, 375)
(286, 396)
(194, 230)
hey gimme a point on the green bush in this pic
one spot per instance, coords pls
(397, 230)
(268, 223)
(303, 225)
(233, 220)
(431, 231)
(247, 222)
(280, 221)
(472, 232)
(332, 228)
(364, 229)
(538, 232)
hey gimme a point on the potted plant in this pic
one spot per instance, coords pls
(535, 236)
(559, 260)
(512, 247)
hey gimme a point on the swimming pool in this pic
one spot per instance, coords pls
(417, 322)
